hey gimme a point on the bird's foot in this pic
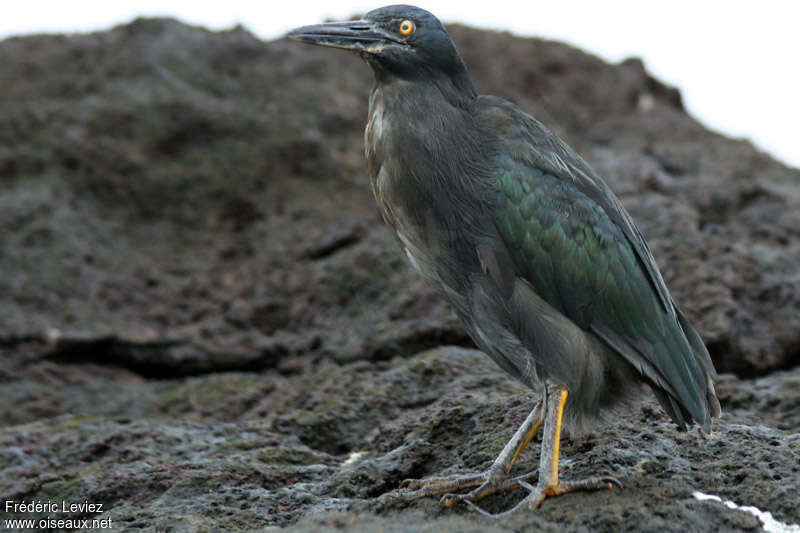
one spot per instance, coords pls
(492, 484)
(484, 483)
(541, 491)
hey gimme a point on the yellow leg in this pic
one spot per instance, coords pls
(562, 400)
(496, 479)
(549, 484)
(524, 444)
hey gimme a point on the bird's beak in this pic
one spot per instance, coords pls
(358, 35)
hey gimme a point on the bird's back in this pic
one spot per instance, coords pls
(571, 240)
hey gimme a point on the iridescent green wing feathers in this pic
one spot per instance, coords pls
(570, 238)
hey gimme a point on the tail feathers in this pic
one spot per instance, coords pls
(697, 344)
(713, 402)
(674, 408)
(702, 356)
(678, 414)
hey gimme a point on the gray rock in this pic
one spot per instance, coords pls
(205, 325)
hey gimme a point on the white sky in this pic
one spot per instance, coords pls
(737, 63)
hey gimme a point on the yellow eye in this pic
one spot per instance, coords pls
(406, 27)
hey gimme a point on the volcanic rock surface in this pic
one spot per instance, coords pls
(205, 325)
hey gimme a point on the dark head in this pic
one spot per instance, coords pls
(398, 41)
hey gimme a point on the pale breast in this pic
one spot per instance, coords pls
(377, 139)
(375, 130)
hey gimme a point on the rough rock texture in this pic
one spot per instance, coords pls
(205, 325)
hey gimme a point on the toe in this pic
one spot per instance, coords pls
(411, 484)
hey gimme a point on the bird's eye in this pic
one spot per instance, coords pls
(406, 27)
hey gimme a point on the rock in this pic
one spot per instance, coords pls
(205, 324)
(247, 450)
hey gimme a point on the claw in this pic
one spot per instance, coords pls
(449, 500)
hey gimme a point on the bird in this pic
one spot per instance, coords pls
(542, 264)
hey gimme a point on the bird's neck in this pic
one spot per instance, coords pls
(454, 85)
(424, 155)
(419, 127)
